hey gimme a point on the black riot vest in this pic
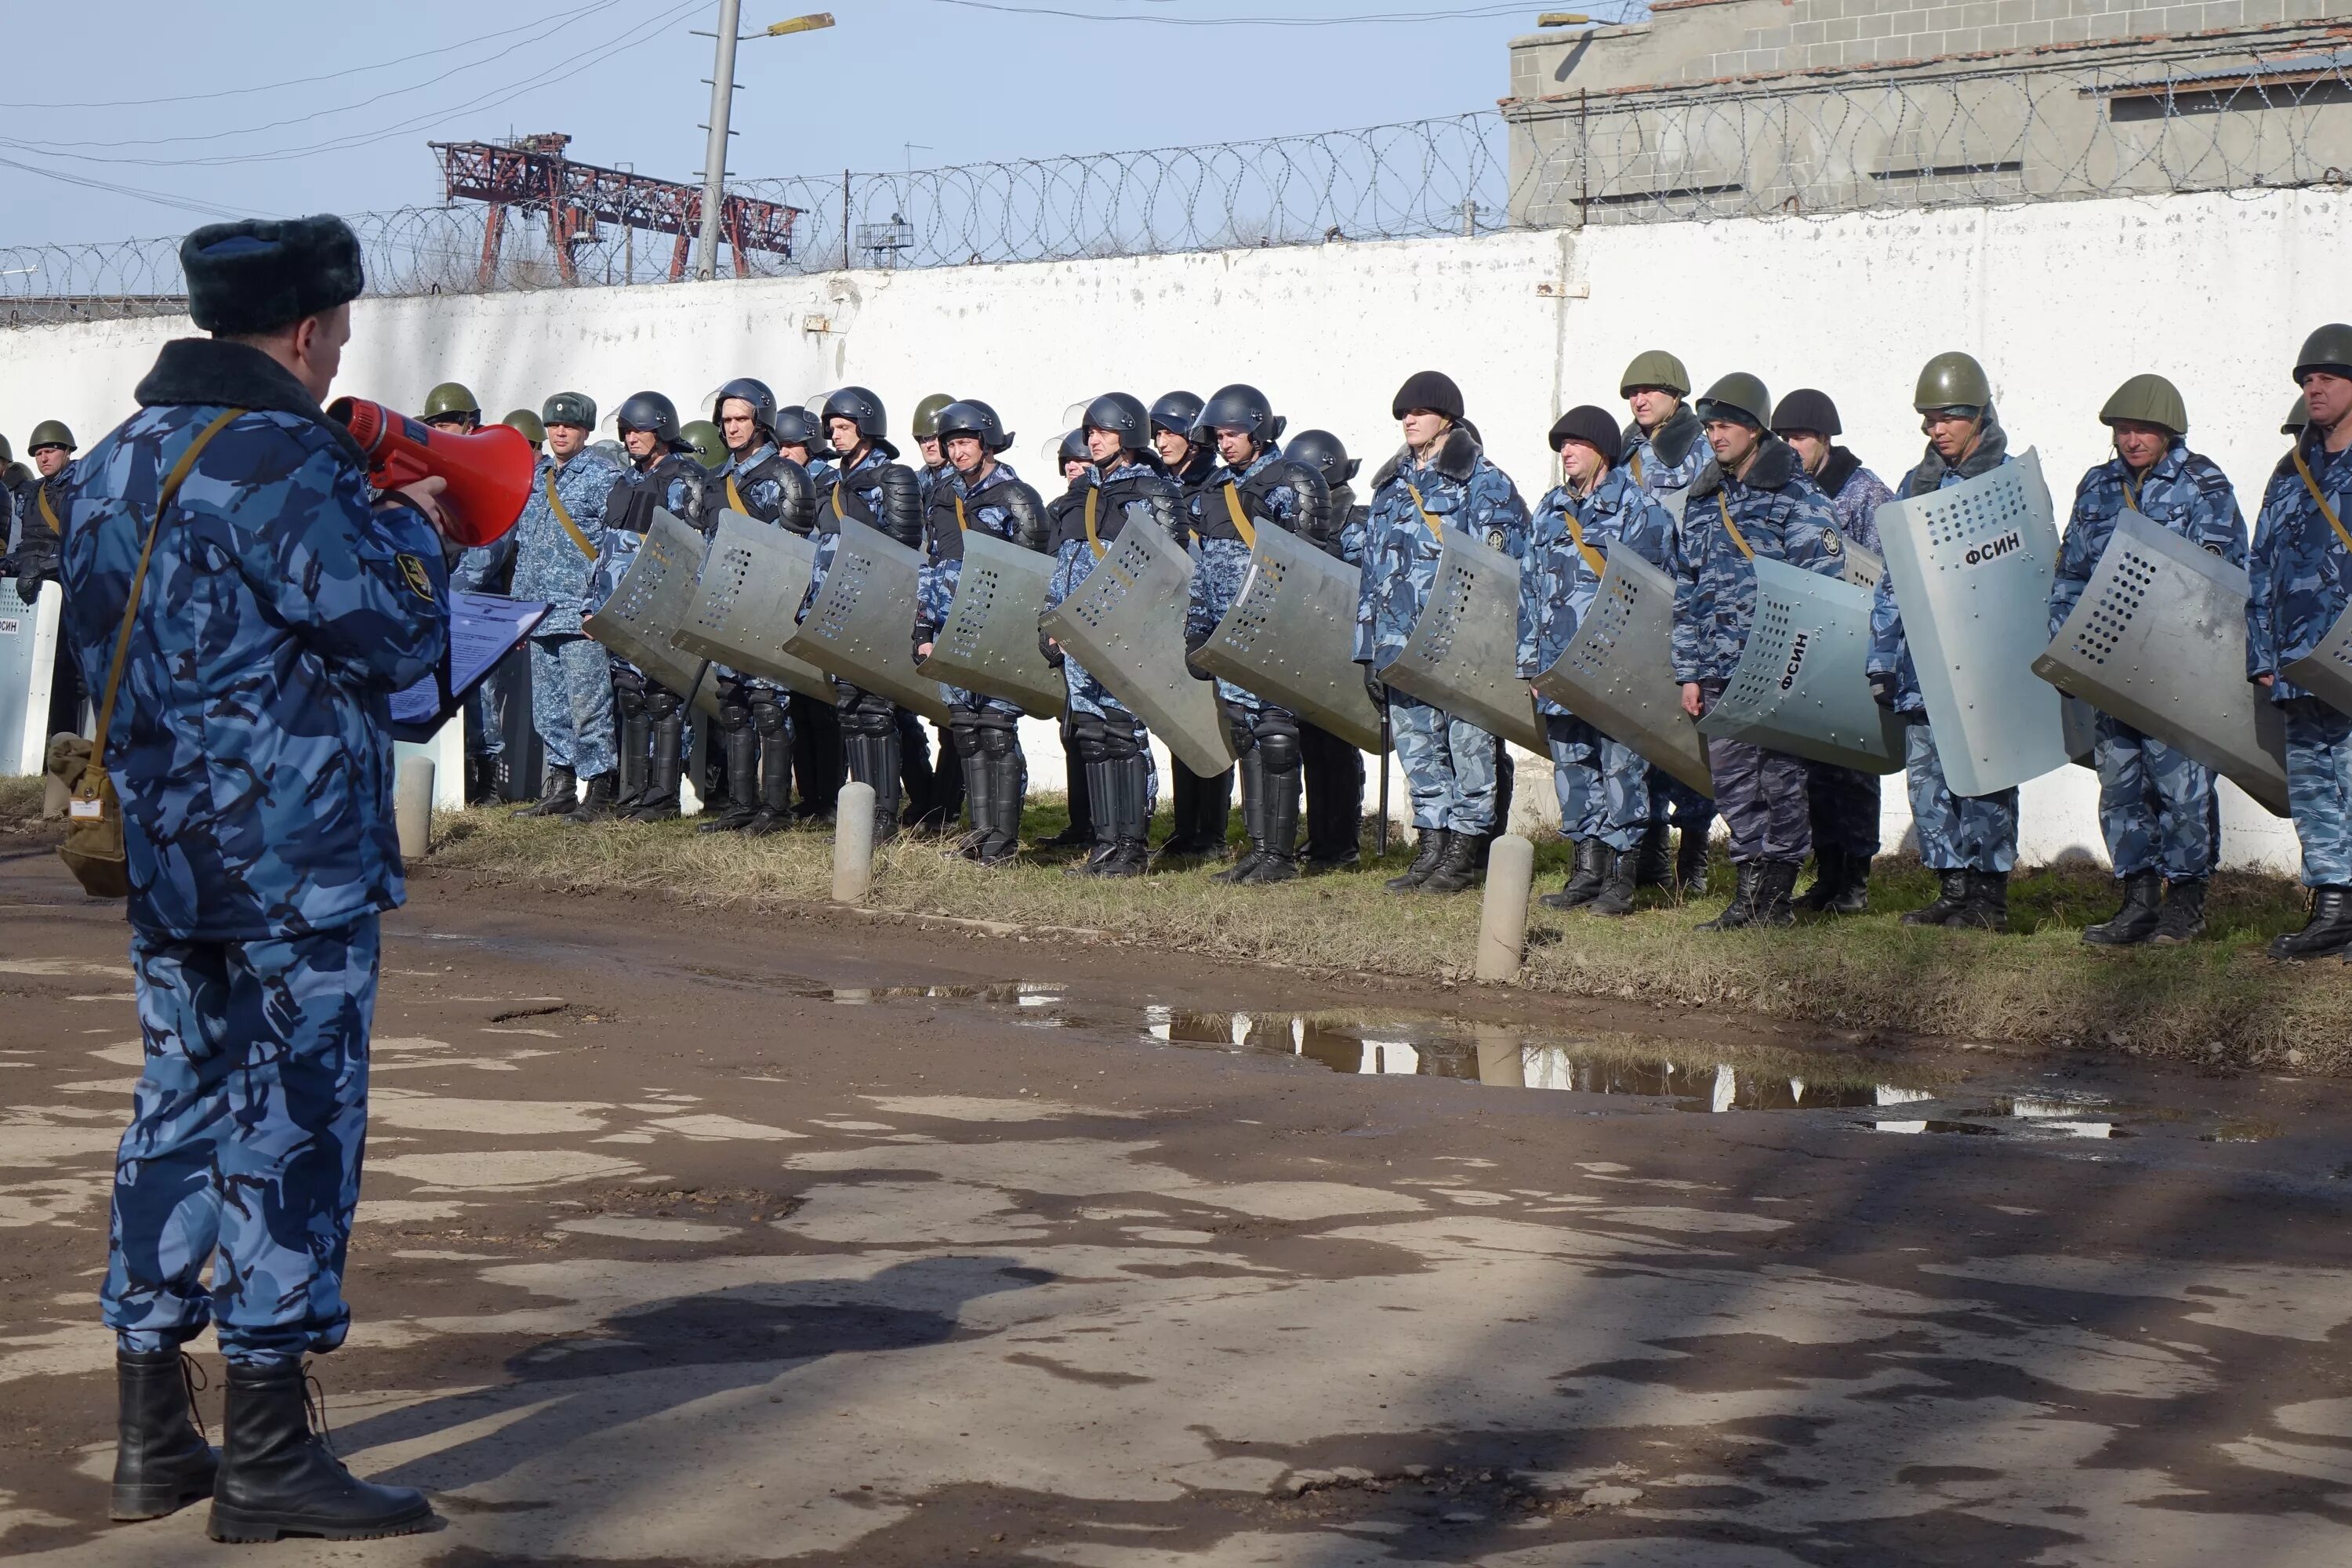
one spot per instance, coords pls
(637, 497)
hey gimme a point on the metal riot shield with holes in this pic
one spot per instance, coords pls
(862, 625)
(644, 612)
(1462, 656)
(2159, 640)
(1972, 567)
(1289, 635)
(1800, 687)
(1617, 673)
(1126, 625)
(754, 576)
(1862, 568)
(2326, 670)
(27, 661)
(990, 643)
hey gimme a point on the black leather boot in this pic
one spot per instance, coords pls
(1852, 896)
(2184, 913)
(1585, 885)
(1426, 854)
(2136, 920)
(1950, 901)
(2329, 929)
(161, 1462)
(742, 753)
(1212, 815)
(1183, 812)
(596, 802)
(1775, 882)
(977, 785)
(1694, 859)
(1275, 852)
(1457, 868)
(558, 794)
(636, 739)
(875, 760)
(774, 811)
(1741, 910)
(1008, 785)
(1829, 879)
(1130, 852)
(1103, 815)
(1987, 905)
(657, 799)
(1650, 860)
(1616, 895)
(1252, 769)
(278, 1477)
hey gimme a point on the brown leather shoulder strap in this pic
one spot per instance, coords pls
(2324, 510)
(1233, 510)
(563, 516)
(1732, 528)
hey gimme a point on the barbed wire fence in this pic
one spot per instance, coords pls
(1784, 148)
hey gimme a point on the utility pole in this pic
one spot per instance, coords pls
(722, 102)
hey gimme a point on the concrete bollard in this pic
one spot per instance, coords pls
(411, 808)
(853, 844)
(1503, 916)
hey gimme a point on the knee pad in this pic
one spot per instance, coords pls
(1237, 728)
(1085, 732)
(1280, 748)
(661, 703)
(995, 741)
(734, 715)
(768, 716)
(1122, 739)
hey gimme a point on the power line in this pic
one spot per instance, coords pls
(183, 204)
(1152, 21)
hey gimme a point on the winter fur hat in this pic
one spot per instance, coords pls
(259, 274)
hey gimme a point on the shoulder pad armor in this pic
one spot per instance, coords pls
(1031, 529)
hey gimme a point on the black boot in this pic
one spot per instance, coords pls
(2184, 913)
(774, 811)
(2329, 929)
(943, 808)
(1950, 901)
(1104, 814)
(278, 1478)
(657, 799)
(1252, 769)
(1426, 854)
(596, 802)
(1829, 881)
(1741, 910)
(1213, 811)
(1183, 811)
(1080, 833)
(558, 794)
(1694, 859)
(1650, 860)
(1852, 896)
(1130, 825)
(1457, 868)
(2136, 920)
(743, 756)
(1584, 886)
(161, 1462)
(1987, 905)
(1774, 883)
(1274, 857)
(1616, 896)
(875, 760)
(1008, 783)
(482, 781)
(636, 739)
(977, 781)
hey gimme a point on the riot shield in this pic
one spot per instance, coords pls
(861, 627)
(652, 598)
(1971, 566)
(1289, 635)
(990, 643)
(2326, 670)
(1617, 674)
(1462, 656)
(754, 576)
(2159, 640)
(1800, 687)
(28, 651)
(1862, 568)
(1126, 625)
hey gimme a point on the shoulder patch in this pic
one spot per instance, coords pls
(1493, 538)
(1833, 541)
(412, 571)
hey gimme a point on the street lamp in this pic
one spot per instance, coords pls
(722, 99)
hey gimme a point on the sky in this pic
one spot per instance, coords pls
(219, 109)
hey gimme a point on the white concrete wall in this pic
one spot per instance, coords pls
(2060, 301)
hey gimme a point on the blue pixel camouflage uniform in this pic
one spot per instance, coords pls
(252, 750)
(2301, 575)
(1132, 495)
(1956, 832)
(1450, 763)
(1603, 786)
(2158, 808)
(985, 507)
(1844, 803)
(1220, 559)
(1780, 514)
(571, 679)
(1661, 463)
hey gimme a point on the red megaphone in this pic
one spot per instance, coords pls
(488, 472)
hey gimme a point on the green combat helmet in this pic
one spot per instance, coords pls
(2297, 417)
(2148, 400)
(2328, 348)
(451, 398)
(49, 433)
(927, 416)
(524, 420)
(1739, 396)
(573, 408)
(1654, 367)
(1952, 380)
(709, 446)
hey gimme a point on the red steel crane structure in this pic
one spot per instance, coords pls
(530, 175)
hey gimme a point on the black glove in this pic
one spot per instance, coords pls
(1373, 688)
(1882, 689)
(1193, 643)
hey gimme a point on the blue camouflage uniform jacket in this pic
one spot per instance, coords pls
(251, 740)
(2300, 570)
(1461, 487)
(1272, 492)
(878, 490)
(1558, 584)
(1000, 504)
(1353, 519)
(1782, 515)
(2188, 494)
(1890, 650)
(1668, 459)
(549, 564)
(678, 492)
(1856, 494)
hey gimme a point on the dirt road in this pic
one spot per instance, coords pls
(704, 1240)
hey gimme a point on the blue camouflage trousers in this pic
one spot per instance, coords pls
(2319, 789)
(1603, 787)
(2158, 808)
(572, 704)
(1671, 800)
(1956, 832)
(1449, 765)
(246, 1137)
(1844, 803)
(1760, 794)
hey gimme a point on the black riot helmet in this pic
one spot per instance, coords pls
(651, 411)
(796, 426)
(861, 408)
(1073, 448)
(1124, 416)
(1322, 451)
(756, 394)
(970, 416)
(1176, 413)
(1238, 407)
